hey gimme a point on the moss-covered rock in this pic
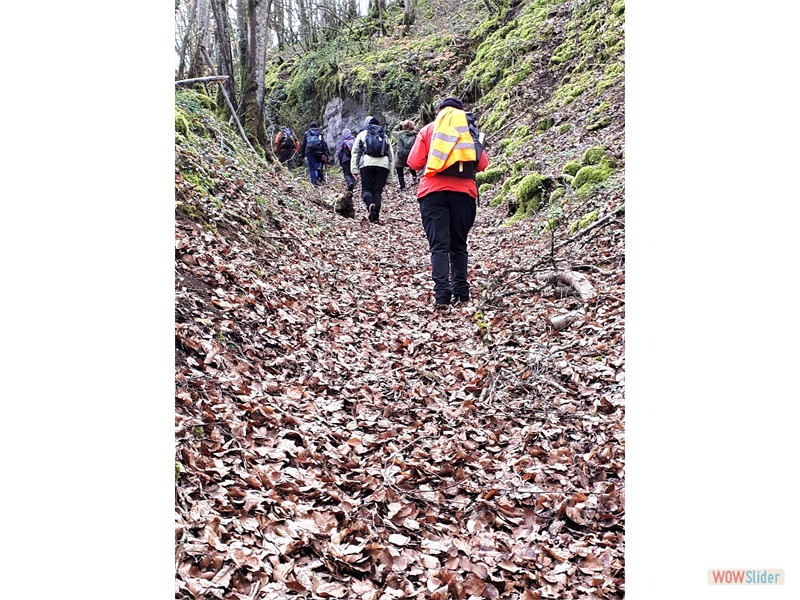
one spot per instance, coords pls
(582, 222)
(593, 156)
(600, 123)
(181, 123)
(556, 195)
(571, 168)
(528, 195)
(491, 175)
(590, 175)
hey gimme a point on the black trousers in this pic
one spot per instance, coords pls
(401, 175)
(286, 157)
(348, 175)
(447, 218)
(372, 181)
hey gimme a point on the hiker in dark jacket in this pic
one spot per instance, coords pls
(447, 202)
(286, 147)
(344, 151)
(405, 141)
(315, 149)
(374, 170)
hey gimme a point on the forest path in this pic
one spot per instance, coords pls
(379, 449)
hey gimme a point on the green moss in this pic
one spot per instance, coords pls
(582, 222)
(563, 53)
(600, 123)
(491, 175)
(201, 181)
(484, 188)
(572, 88)
(564, 128)
(480, 323)
(556, 195)
(544, 124)
(611, 74)
(529, 193)
(604, 105)
(519, 73)
(618, 8)
(593, 155)
(590, 175)
(181, 123)
(177, 469)
(571, 168)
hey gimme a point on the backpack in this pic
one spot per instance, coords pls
(347, 148)
(468, 168)
(286, 139)
(404, 146)
(314, 141)
(375, 141)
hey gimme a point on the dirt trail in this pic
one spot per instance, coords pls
(378, 449)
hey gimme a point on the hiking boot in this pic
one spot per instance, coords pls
(350, 187)
(372, 213)
(459, 300)
(438, 307)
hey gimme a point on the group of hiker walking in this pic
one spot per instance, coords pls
(443, 159)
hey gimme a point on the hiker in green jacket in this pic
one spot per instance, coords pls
(405, 141)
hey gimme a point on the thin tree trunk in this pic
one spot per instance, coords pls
(196, 64)
(222, 30)
(230, 105)
(184, 44)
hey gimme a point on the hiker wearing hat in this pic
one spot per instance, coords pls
(373, 157)
(344, 153)
(405, 141)
(315, 150)
(447, 157)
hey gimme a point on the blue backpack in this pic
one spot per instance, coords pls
(375, 141)
(314, 141)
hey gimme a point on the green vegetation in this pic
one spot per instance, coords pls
(491, 175)
(600, 123)
(593, 156)
(571, 168)
(582, 222)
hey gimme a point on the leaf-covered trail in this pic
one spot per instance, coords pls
(339, 438)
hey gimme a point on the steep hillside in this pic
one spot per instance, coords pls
(336, 437)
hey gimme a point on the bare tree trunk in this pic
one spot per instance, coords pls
(263, 11)
(243, 13)
(223, 31)
(409, 14)
(278, 22)
(305, 23)
(196, 64)
(184, 44)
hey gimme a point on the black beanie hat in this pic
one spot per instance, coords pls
(454, 102)
(313, 124)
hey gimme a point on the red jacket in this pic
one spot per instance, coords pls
(417, 159)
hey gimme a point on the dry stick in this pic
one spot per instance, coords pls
(228, 101)
(595, 225)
